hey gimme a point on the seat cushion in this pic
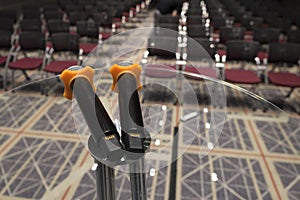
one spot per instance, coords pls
(160, 71)
(284, 79)
(262, 55)
(26, 63)
(58, 67)
(105, 35)
(3, 59)
(87, 47)
(241, 76)
(206, 71)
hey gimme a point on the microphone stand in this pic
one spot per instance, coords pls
(108, 147)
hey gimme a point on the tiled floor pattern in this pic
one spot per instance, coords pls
(255, 157)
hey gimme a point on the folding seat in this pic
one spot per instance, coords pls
(72, 8)
(9, 14)
(293, 36)
(194, 11)
(104, 21)
(266, 35)
(237, 12)
(57, 26)
(251, 23)
(65, 52)
(245, 51)
(63, 4)
(52, 15)
(284, 53)
(32, 46)
(162, 47)
(5, 46)
(31, 14)
(7, 24)
(159, 20)
(200, 50)
(231, 33)
(195, 20)
(31, 25)
(62, 42)
(283, 24)
(198, 31)
(219, 22)
(75, 16)
(51, 7)
(91, 31)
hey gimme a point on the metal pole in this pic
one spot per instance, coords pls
(132, 122)
(105, 182)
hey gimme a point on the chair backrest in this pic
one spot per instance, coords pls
(50, 7)
(201, 48)
(219, 22)
(293, 36)
(86, 28)
(241, 50)
(162, 46)
(283, 24)
(31, 25)
(102, 19)
(9, 14)
(32, 40)
(165, 19)
(5, 39)
(58, 26)
(231, 33)
(75, 16)
(194, 20)
(197, 31)
(284, 53)
(52, 15)
(65, 42)
(7, 24)
(252, 22)
(266, 35)
(31, 14)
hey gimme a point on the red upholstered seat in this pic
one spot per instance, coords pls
(3, 59)
(262, 55)
(87, 47)
(206, 71)
(58, 67)
(105, 35)
(221, 52)
(26, 63)
(160, 71)
(241, 76)
(284, 79)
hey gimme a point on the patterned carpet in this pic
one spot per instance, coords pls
(256, 155)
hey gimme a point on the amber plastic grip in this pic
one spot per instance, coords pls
(68, 76)
(117, 70)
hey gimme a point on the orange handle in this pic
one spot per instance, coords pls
(117, 70)
(68, 76)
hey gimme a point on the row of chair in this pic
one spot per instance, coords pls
(32, 53)
(52, 52)
(236, 49)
